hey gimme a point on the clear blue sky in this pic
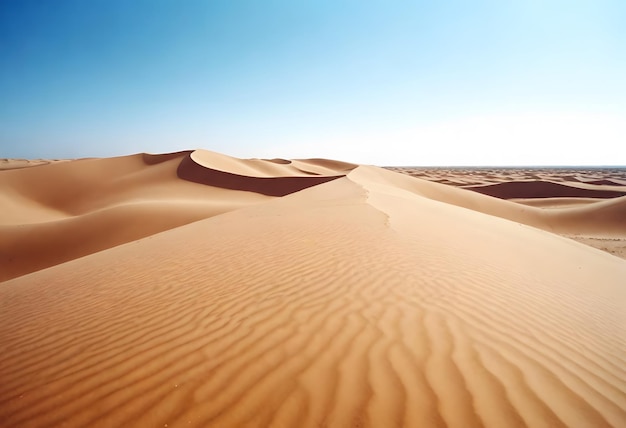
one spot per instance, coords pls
(383, 82)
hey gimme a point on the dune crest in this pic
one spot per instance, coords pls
(373, 299)
(253, 175)
(260, 168)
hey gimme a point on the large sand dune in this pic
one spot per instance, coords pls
(368, 299)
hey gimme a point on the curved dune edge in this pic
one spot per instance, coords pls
(153, 159)
(50, 217)
(351, 303)
(545, 189)
(260, 182)
(555, 202)
(260, 168)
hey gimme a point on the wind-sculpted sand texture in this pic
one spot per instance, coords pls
(477, 176)
(6, 163)
(374, 299)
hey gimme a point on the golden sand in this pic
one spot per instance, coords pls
(135, 297)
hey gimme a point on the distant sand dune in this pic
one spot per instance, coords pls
(373, 299)
(555, 202)
(8, 164)
(591, 179)
(605, 183)
(598, 219)
(260, 168)
(259, 181)
(545, 189)
(152, 159)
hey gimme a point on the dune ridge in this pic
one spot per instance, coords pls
(372, 299)
(259, 176)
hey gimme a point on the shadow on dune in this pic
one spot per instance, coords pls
(271, 186)
(541, 189)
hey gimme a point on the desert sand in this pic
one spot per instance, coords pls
(6, 163)
(196, 289)
(594, 192)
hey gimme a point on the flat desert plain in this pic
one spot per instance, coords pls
(197, 289)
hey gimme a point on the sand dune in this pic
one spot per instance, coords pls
(487, 176)
(372, 299)
(600, 224)
(547, 189)
(555, 202)
(253, 175)
(604, 218)
(6, 163)
(55, 213)
(259, 168)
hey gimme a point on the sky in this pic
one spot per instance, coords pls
(384, 82)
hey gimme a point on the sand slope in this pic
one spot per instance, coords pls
(600, 218)
(371, 300)
(570, 199)
(58, 212)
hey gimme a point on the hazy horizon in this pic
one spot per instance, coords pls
(386, 83)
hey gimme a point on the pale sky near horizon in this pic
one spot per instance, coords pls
(453, 82)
